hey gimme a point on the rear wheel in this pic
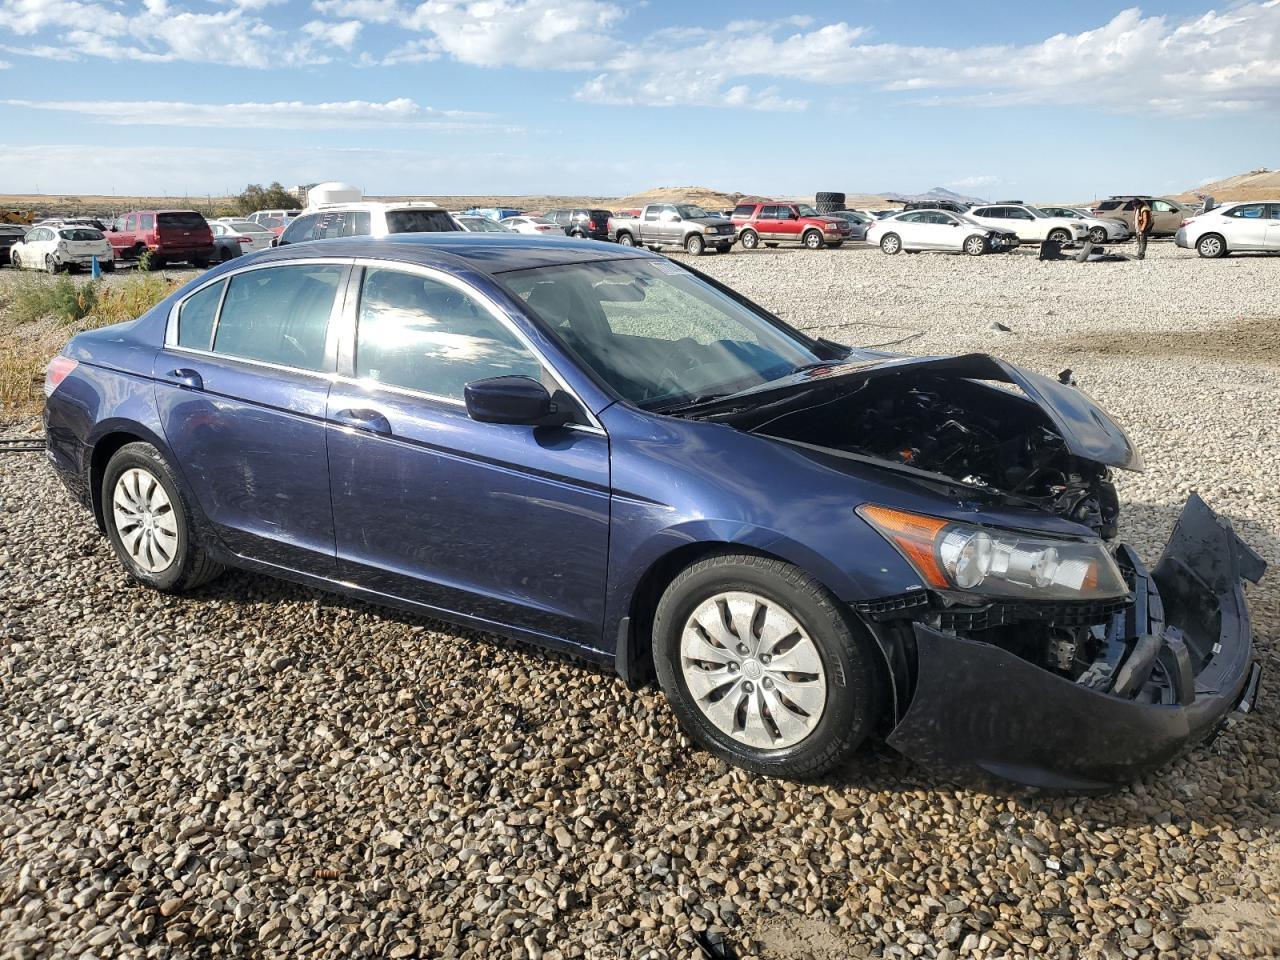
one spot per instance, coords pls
(1211, 246)
(224, 254)
(15, 259)
(626, 240)
(148, 522)
(50, 264)
(836, 244)
(890, 243)
(813, 239)
(764, 667)
(749, 239)
(1061, 236)
(975, 246)
(694, 244)
(200, 263)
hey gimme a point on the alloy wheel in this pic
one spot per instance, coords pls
(975, 246)
(1098, 235)
(1210, 247)
(752, 670)
(144, 520)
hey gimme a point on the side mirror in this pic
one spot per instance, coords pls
(520, 400)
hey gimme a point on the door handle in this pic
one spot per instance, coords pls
(370, 420)
(186, 377)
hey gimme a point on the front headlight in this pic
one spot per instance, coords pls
(998, 563)
(710, 229)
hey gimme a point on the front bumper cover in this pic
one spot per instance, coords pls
(1183, 668)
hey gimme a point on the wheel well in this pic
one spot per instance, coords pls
(103, 451)
(652, 585)
(1212, 233)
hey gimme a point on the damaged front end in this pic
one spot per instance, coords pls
(1116, 689)
(1050, 658)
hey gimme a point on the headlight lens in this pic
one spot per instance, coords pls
(998, 563)
(708, 229)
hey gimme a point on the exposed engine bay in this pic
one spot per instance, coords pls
(979, 434)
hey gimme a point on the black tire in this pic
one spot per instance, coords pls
(975, 246)
(891, 244)
(837, 198)
(191, 565)
(847, 653)
(200, 263)
(835, 244)
(1211, 246)
(723, 247)
(626, 240)
(1061, 236)
(50, 264)
(749, 239)
(224, 255)
(157, 263)
(15, 258)
(813, 239)
(108, 267)
(694, 245)
(1097, 235)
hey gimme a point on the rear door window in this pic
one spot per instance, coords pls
(195, 317)
(1249, 211)
(147, 221)
(279, 315)
(425, 335)
(769, 212)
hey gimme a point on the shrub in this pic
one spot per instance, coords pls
(132, 297)
(61, 298)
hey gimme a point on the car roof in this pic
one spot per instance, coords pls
(488, 253)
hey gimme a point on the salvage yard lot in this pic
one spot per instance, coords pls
(260, 769)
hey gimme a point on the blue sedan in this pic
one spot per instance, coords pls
(602, 451)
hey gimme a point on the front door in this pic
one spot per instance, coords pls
(788, 227)
(1272, 239)
(497, 523)
(241, 389)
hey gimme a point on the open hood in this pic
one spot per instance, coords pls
(1087, 431)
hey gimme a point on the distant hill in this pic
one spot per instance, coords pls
(937, 193)
(1260, 184)
(702, 196)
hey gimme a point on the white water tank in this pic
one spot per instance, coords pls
(333, 191)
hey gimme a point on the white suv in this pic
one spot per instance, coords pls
(1028, 222)
(367, 218)
(1251, 225)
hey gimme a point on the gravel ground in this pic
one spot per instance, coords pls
(264, 770)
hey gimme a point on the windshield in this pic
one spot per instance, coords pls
(690, 211)
(483, 225)
(806, 211)
(658, 335)
(420, 221)
(81, 233)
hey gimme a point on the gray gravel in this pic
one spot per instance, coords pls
(264, 770)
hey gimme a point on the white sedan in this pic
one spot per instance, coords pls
(1101, 229)
(937, 230)
(1028, 222)
(233, 238)
(62, 248)
(474, 223)
(538, 226)
(1251, 225)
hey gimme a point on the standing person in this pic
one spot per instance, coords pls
(1142, 223)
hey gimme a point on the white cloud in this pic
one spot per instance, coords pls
(341, 34)
(367, 11)
(280, 115)
(683, 88)
(972, 183)
(543, 34)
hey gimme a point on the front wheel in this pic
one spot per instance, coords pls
(764, 667)
(749, 239)
(694, 245)
(1060, 236)
(813, 240)
(890, 243)
(1211, 246)
(1097, 235)
(626, 240)
(148, 522)
(975, 246)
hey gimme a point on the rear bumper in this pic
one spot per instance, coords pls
(1181, 239)
(1182, 668)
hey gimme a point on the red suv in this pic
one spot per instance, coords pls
(775, 223)
(170, 235)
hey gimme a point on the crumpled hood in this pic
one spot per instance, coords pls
(1086, 429)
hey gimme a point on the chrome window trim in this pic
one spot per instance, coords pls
(494, 310)
(229, 358)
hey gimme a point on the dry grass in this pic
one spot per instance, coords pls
(39, 314)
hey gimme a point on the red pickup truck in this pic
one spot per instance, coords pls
(775, 223)
(170, 235)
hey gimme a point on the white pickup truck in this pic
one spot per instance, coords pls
(676, 225)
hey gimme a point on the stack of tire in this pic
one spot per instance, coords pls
(828, 202)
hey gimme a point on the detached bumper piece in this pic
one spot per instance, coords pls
(1177, 666)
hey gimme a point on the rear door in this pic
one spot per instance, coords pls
(767, 223)
(499, 523)
(241, 389)
(1272, 238)
(125, 236)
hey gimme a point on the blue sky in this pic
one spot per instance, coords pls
(1044, 100)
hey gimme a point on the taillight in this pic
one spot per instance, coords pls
(1185, 222)
(246, 239)
(591, 224)
(57, 371)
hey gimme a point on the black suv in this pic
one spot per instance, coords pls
(582, 222)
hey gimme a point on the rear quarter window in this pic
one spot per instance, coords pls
(744, 210)
(195, 317)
